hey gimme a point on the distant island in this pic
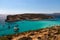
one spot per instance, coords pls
(28, 17)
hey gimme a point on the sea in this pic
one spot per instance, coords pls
(7, 28)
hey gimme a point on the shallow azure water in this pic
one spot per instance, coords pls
(26, 25)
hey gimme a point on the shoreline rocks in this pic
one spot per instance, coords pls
(52, 33)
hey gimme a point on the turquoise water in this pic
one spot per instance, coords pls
(26, 25)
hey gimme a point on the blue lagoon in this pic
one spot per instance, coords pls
(27, 25)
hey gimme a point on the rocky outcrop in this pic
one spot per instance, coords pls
(27, 17)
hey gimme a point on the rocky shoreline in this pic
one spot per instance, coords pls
(28, 17)
(52, 33)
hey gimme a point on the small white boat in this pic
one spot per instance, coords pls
(15, 28)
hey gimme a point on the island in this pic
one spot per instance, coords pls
(52, 33)
(26, 16)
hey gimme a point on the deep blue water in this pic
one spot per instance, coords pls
(26, 25)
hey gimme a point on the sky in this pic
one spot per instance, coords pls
(29, 6)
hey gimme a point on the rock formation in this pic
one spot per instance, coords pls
(27, 17)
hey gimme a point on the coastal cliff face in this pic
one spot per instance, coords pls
(27, 17)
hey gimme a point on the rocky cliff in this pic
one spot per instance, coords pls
(27, 17)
